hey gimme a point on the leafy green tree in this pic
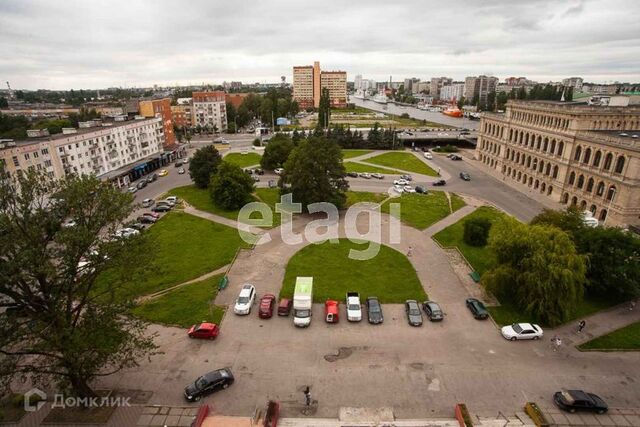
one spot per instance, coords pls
(230, 187)
(538, 269)
(461, 102)
(72, 328)
(243, 116)
(314, 173)
(231, 112)
(570, 221)
(324, 109)
(491, 101)
(501, 100)
(276, 152)
(203, 164)
(3, 102)
(267, 111)
(476, 231)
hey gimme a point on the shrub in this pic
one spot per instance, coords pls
(476, 231)
(257, 142)
(405, 116)
(446, 149)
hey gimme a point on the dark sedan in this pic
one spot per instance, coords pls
(414, 314)
(578, 400)
(161, 208)
(208, 383)
(374, 311)
(433, 311)
(439, 183)
(477, 308)
(465, 176)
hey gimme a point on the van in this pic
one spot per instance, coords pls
(303, 301)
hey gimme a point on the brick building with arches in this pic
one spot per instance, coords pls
(588, 156)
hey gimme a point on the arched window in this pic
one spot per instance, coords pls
(596, 158)
(546, 144)
(553, 146)
(574, 201)
(572, 178)
(607, 161)
(619, 164)
(547, 171)
(578, 154)
(560, 148)
(555, 171)
(590, 184)
(603, 214)
(543, 187)
(565, 198)
(580, 181)
(593, 209)
(600, 189)
(583, 205)
(549, 190)
(611, 193)
(587, 156)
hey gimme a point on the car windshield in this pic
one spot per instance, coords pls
(567, 397)
(374, 308)
(303, 313)
(201, 383)
(243, 300)
(414, 311)
(517, 328)
(354, 307)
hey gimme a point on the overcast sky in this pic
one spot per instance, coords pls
(61, 44)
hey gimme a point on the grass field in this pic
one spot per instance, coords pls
(200, 199)
(354, 197)
(404, 161)
(422, 210)
(185, 305)
(388, 275)
(186, 247)
(506, 314)
(480, 258)
(243, 160)
(348, 154)
(360, 168)
(627, 338)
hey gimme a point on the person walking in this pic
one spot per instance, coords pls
(307, 396)
(409, 252)
(581, 325)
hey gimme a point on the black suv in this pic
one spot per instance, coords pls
(208, 383)
(477, 308)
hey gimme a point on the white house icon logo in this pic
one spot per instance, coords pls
(37, 396)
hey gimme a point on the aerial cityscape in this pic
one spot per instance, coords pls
(292, 214)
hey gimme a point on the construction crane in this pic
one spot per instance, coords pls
(10, 90)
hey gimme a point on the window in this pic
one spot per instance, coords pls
(26, 156)
(611, 193)
(45, 151)
(47, 163)
(590, 184)
(572, 178)
(555, 171)
(607, 161)
(35, 154)
(597, 158)
(15, 161)
(578, 154)
(587, 156)
(600, 189)
(580, 181)
(619, 164)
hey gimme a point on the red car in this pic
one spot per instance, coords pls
(152, 214)
(284, 307)
(204, 330)
(331, 310)
(266, 306)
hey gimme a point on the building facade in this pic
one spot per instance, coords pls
(309, 80)
(209, 110)
(574, 154)
(160, 108)
(181, 115)
(452, 92)
(479, 88)
(436, 85)
(235, 99)
(574, 82)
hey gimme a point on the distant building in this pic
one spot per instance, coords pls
(231, 85)
(357, 82)
(209, 110)
(454, 91)
(574, 82)
(436, 85)
(479, 88)
(182, 115)
(574, 154)
(308, 82)
(420, 87)
(600, 89)
(160, 108)
(235, 99)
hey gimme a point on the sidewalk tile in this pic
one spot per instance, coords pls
(163, 410)
(589, 419)
(620, 420)
(150, 410)
(633, 420)
(185, 421)
(605, 420)
(172, 420)
(176, 411)
(157, 420)
(575, 420)
(145, 419)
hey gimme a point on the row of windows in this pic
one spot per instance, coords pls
(541, 120)
(583, 206)
(579, 183)
(597, 158)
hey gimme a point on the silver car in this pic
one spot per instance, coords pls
(414, 314)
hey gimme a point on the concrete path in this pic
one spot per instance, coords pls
(220, 219)
(158, 294)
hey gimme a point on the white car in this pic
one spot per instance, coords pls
(365, 175)
(245, 300)
(132, 189)
(522, 331)
(377, 175)
(278, 171)
(147, 202)
(401, 181)
(69, 224)
(126, 232)
(428, 156)
(173, 199)
(409, 189)
(166, 201)
(398, 188)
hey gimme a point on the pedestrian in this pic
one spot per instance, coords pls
(307, 396)
(409, 252)
(581, 325)
(555, 341)
(632, 305)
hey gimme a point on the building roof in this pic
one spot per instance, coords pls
(621, 133)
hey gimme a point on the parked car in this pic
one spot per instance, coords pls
(354, 309)
(132, 189)
(248, 171)
(284, 307)
(398, 188)
(465, 176)
(365, 175)
(167, 201)
(146, 219)
(163, 172)
(147, 202)
(70, 223)
(331, 311)
(136, 226)
(160, 207)
(278, 171)
(219, 379)
(428, 155)
(181, 171)
(352, 174)
(172, 199)
(178, 163)
(265, 309)
(124, 233)
(433, 311)
(258, 171)
(408, 189)
(152, 214)
(204, 330)
(151, 178)
(420, 189)
(414, 315)
(245, 300)
(255, 178)
(400, 181)
(522, 331)
(374, 311)
(578, 400)
(477, 308)
(455, 157)
(141, 184)
(439, 183)
(406, 177)
(377, 175)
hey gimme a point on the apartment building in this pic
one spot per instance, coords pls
(452, 92)
(235, 99)
(181, 115)
(309, 80)
(478, 88)
(160, 108)
(575, 154)
(436, 85)
(574, 82)
(209, 110)
(120, 152)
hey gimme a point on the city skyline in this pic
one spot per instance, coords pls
(141, 44)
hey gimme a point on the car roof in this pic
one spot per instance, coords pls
(579, 395)
(526, 325)
(217, 374)
(433, 304)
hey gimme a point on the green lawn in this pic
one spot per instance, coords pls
(404, 161)
(388, 275)
(360, 168)
(185, 305)
(354, 197)
(200, 199)
(186, 247)
(348, 154)
(456, 202)
(422, 210)
(480, 258)
(627, 338)
(243, 160)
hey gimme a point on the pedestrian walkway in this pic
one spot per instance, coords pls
(158, 294)
(221, 220)
(450, 219)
